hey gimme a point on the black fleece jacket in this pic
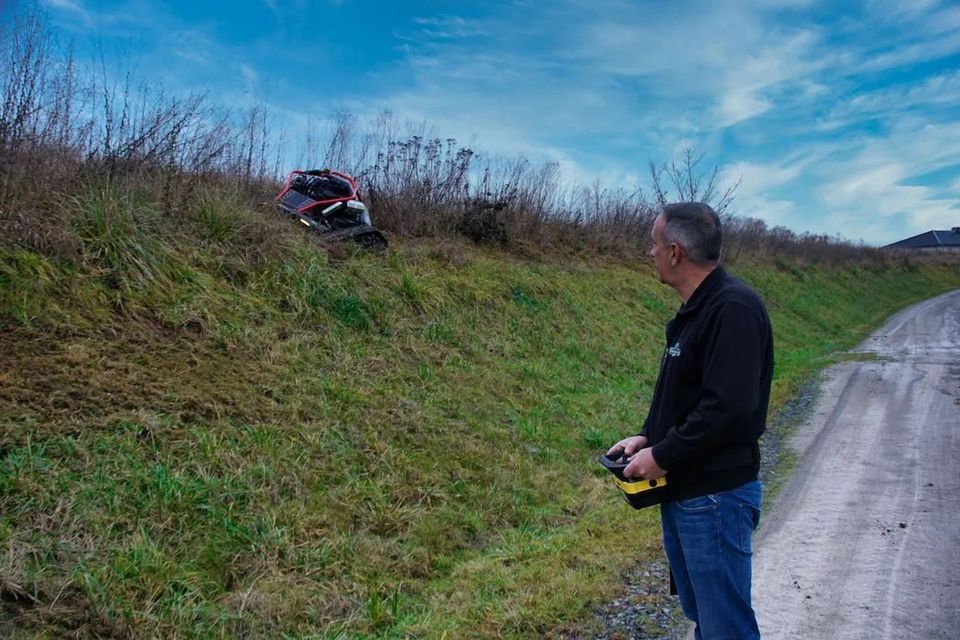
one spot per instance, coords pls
(710, 403)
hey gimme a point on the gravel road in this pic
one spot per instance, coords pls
(864, 540)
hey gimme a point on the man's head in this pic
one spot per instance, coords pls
(687, 239)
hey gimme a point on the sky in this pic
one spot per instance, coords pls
(838, 118)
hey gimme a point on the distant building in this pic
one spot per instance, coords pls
(934, 239)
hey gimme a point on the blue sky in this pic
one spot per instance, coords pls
(838, 117)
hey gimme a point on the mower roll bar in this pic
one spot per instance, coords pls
(320, 203)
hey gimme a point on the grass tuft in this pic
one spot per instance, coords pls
(114, 231)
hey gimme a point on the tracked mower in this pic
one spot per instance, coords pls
(328, 202)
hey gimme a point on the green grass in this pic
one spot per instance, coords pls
(209, 428)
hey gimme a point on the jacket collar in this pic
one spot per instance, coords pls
(703, 291)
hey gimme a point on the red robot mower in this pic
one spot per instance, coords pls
(328, 202)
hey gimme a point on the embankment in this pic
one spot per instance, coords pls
(211, 427)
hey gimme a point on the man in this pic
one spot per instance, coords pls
(708, 410)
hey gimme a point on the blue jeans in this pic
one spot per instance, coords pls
(708, 543)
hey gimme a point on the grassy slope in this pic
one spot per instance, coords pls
(209, 428)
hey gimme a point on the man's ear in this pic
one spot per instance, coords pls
(675, 252)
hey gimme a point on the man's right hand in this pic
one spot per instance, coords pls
(628, 446)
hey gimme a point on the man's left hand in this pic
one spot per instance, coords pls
(643, 466)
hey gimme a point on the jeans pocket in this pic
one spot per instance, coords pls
(748, 517)
(700, 503)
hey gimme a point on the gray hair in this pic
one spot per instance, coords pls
(695, 226)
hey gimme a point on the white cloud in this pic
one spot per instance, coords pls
(874, 188)
(855, 224)
(859, 197)
(918, 144)
(250, 78)
(448, 27)
(758, 184)
(71, 10)
(755, 77)
(65, 5)
(944, 20)
(773, 212)
(289, 7)
(878, 188)
(907, 32)
(927, 49)
(939, 90)
(740, 104)
(756, 179)
(724, 56)
(901, 8)
(194, 46)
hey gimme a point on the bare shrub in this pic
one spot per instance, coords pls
(690, 184)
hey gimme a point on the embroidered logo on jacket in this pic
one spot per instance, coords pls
(674, 351)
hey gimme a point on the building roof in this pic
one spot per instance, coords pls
(930, 239)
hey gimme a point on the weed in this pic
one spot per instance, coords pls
(383, 608)
(217, 221)
(351, 311)
(522, 298)
(114, 233)
(411, 290)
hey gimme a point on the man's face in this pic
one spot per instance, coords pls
(661, 253)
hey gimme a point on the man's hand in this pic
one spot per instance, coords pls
(643, 466)
(628, 446)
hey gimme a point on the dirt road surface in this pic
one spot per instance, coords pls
(864, 541)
